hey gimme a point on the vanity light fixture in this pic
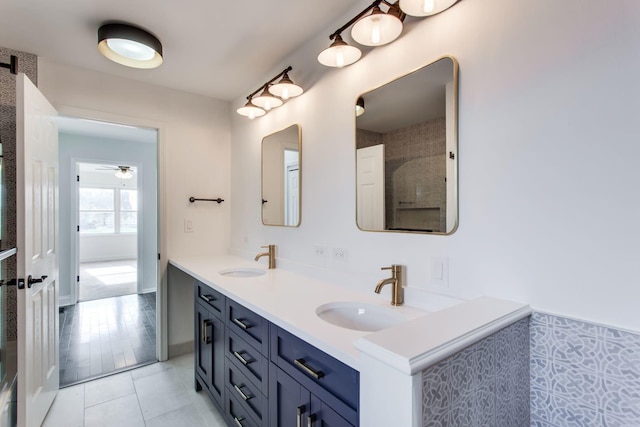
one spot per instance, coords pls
(272, 96)
(130, 46)
(376, 29)
(425, 7)
(360, 107)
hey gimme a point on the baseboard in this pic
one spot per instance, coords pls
(179, 349)
(64, 301)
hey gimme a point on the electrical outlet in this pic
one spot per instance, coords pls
(321, 251)
(340, 254)
(188, 226)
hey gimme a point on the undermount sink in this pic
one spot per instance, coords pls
(242, 272)
(359, 316)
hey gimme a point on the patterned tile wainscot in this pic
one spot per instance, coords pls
(583, 374)
(486, 384)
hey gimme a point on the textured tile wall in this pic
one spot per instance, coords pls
(583, 374)
(486, 384)
(28, 64)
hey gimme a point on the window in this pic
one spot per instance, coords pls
(108, 210)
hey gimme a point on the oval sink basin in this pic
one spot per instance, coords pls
(359, 316)
(242, 272)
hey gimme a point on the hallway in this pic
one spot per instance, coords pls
(106, 336)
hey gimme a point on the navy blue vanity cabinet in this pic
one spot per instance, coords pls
(247, 366)
(329, 386)
(293, 405)
(209, 342)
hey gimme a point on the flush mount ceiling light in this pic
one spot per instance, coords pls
(377, 28)
(360, 107)
(425, 7)
(272, 96)
(130, 46)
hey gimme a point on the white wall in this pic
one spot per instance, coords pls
(108, 247)
(548, 149)
(194, 155)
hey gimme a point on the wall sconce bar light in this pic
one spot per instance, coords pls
(377, 28)
(272, 96)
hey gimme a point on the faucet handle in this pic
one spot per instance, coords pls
(387, 268)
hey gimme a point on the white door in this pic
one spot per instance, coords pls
(370, 187)
(291, 191)
(37, 208)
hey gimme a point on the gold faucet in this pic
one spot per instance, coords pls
(271, 253)
(397, 281)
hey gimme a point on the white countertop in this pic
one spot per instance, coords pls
(290, 300)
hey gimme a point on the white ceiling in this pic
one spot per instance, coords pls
(221, 49)
(98, 129)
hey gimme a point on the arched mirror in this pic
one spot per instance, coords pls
(281, 169)
(407, 152)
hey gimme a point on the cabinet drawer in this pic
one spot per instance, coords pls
(238, 415)
(328, 378)
(210, 298)
(248, 395)
(248, 360)
(251, 327)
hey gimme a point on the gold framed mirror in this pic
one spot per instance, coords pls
(407, 152)
(281, 172)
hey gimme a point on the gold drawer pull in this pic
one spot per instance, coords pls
(205, 338)
(311, 420)
(299, 411)
(238, 421)
(242, 360)
(208, 298)
(300, 363)
(245, 397)
(244, 325)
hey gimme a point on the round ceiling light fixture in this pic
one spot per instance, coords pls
(130, 46)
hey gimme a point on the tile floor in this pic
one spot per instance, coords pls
(108, 335)
(107, 279)
(157, 395)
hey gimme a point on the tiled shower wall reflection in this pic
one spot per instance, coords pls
(583, 374)
(417, 199)
(486, 384)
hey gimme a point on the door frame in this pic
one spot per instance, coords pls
(162, 330)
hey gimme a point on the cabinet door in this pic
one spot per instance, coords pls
(203, 347)
(289, 402)
(322, 415)
(209, 351)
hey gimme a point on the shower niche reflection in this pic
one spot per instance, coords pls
(406, 153)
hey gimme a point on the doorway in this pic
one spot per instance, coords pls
(109, 219)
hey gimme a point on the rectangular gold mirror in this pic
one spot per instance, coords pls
(281, 169)
(407, 152)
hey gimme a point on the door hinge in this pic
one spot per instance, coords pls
(77, 178)
(77, 278)
(78, 228)
(158, 257)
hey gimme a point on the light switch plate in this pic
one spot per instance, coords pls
(440, 271)
(188, 226)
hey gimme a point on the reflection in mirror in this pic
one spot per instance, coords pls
(281, 177)
(406, 152)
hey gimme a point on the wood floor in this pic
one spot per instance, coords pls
(105, 336)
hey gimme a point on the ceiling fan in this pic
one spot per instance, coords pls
(123, 172)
